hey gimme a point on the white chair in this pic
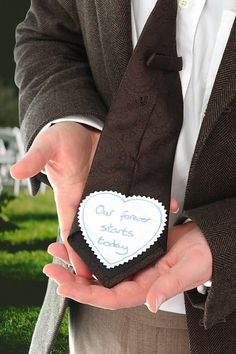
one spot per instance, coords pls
(11, 150)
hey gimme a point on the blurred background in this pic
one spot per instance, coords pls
(27, 225)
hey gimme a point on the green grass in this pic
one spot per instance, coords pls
(23, 265)
(23, 285)
(17, 324)
(24, 203)
(36, 219)
(14, 328)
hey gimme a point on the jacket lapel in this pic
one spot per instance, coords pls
(114, 23)
(223, 93)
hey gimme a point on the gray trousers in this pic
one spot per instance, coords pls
(128, 331)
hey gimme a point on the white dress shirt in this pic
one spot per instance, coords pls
(203, 28)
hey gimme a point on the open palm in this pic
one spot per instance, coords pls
(65, 151)
(187, 264)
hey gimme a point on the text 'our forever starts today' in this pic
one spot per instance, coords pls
(109, 229)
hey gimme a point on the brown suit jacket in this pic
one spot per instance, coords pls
(73, 53)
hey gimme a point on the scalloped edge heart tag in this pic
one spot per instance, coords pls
(119, 228)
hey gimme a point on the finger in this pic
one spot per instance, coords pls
(79, 266)
(58, 273)
(67, 201)
(185, 275)
(62, 275)
(34, 160)
(124, 295)
(174, 206)
(59, 250)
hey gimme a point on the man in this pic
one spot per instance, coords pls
(71, 56)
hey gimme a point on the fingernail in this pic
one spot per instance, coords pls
(44, 270)
(176, 211)
(151, 309)
(159, 301)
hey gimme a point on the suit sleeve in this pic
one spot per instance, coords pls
(52, 70)
(217, 221)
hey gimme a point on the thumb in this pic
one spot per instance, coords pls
(181, 277)
(34, 160)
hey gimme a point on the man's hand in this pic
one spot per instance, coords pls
(66, 152)
(187, 264)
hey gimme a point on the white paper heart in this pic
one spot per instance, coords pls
(119, 228)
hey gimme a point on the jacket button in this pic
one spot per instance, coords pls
(228, 110)
(201, 324)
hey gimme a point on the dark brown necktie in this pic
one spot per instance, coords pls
(136, 150)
